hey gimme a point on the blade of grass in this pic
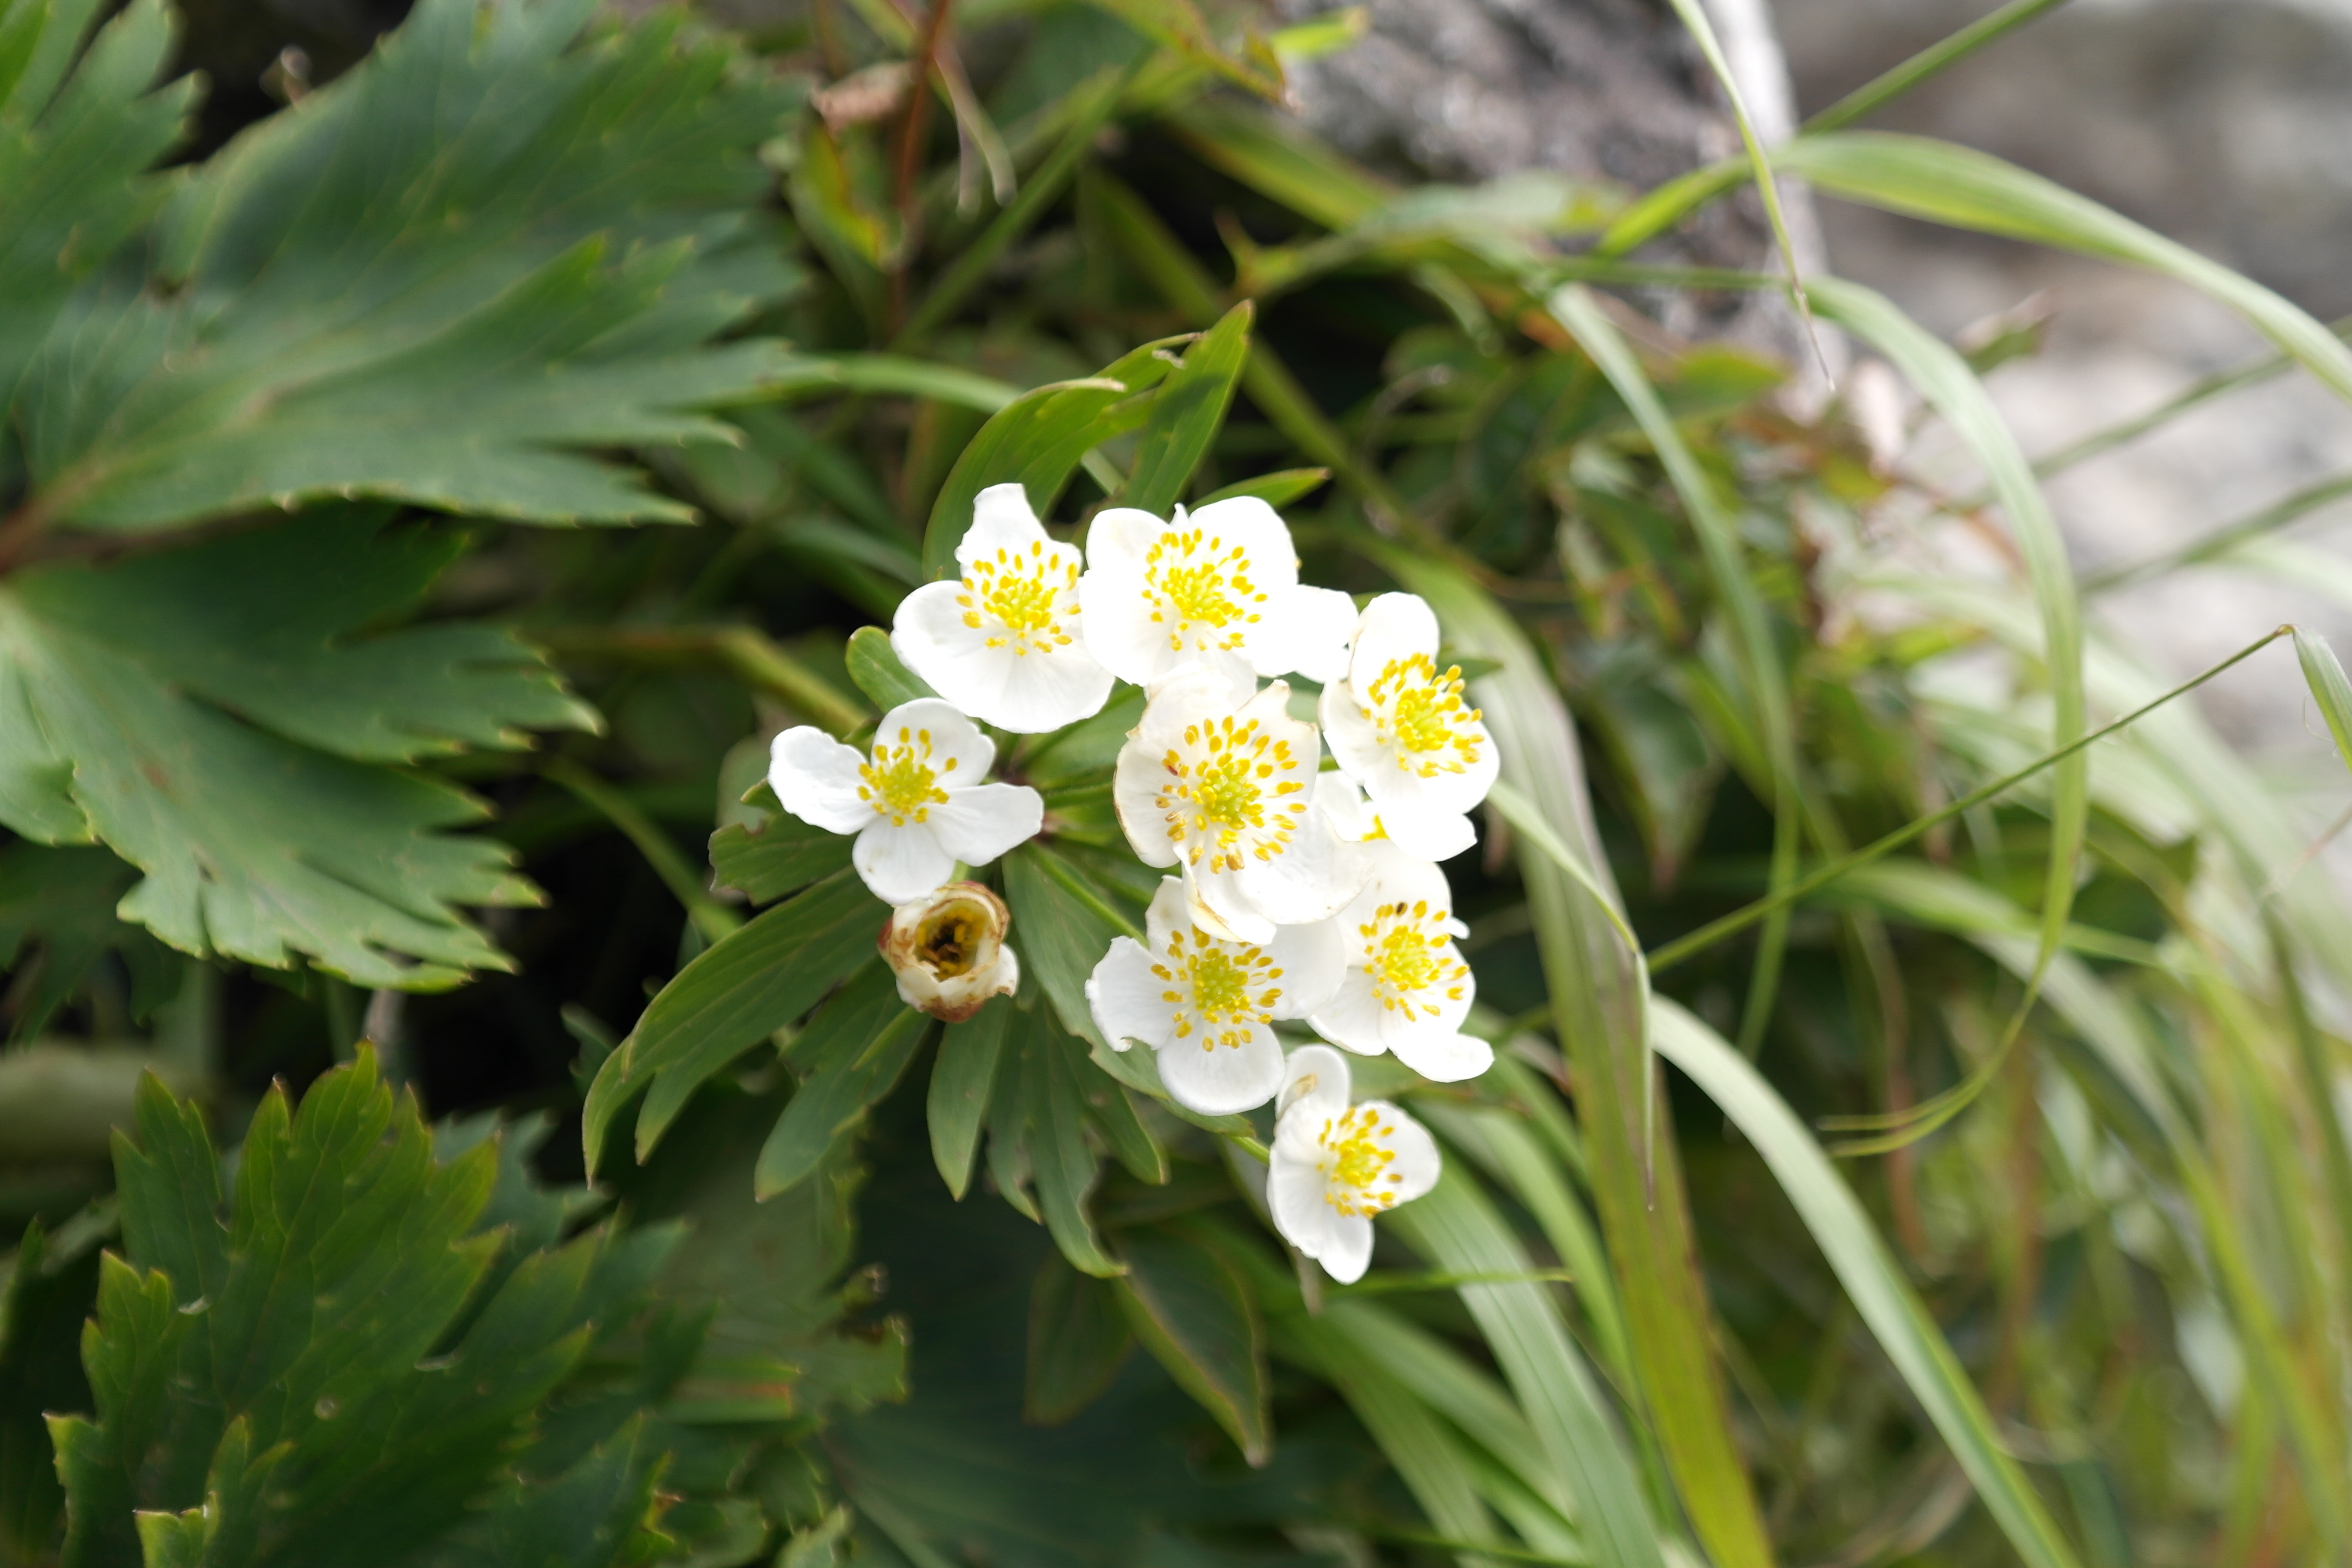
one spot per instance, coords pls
(1593, 985)
(1667, 955)
(2222, 540)
(1871, 1277)
(1670, 203)
(1719, 538)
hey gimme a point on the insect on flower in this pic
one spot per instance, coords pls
(1004, 642)
(917, 802)
(1335, 1165)
(1205, 1005)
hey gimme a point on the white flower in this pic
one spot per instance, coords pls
(1400, 728)
(1206, 1004)
(1002, 642)
(1406, 989)
(1431, 838)
(1335, 1165)
(1219, 587)
(916, 805)
(1229, 794)
(946, 951)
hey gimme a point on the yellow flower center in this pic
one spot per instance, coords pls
(1231, 792)
(1357, 1162)
(1422, 714)
(1409, 955)
(900, 782)
(1016, 595)
(1196, 582)
(1225, 988)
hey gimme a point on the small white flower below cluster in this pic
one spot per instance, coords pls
(1335, 1165)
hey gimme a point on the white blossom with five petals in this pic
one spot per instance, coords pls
(1206, 1005)
(1218, 587)
(916, 800)
(1406, 989)
(1398, 726)
(1335, 1165)
(1229, 794)
(1004, 642)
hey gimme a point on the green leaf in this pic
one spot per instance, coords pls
(327, 1363)
(1078, 1340)
(1873, 1279)
(1066, 1163)
(478, 252)
(1037, 440)
(1177, 26)
(47, 1292)
(780, 855)
(1066, 925)
(851, 1054)
(1964, 188)
(79, 144)
(873, 665)
(1457, 1229)
(61, 903)
(213, 714)
(1187, 414)
(1276, 489)
(738, 991)
(1194, 1312)
(2325, 675)
(963, 1081)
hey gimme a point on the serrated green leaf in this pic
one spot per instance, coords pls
(352, 306)
(850, 1054)
(79, 143)
(1078, 1338)
(47, 1291)
(963, 1082)
(739, 991)
(1187, 414)
(874, 665)
(1195, 1313)
(218, 713)
(780, 855)
(60, 902)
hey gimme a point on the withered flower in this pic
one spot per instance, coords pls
(947, 949)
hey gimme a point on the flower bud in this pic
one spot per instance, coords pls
(948, 949)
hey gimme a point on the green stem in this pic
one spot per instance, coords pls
(1714, 931)
(2222, 542)
(711, 918)
(743, 651)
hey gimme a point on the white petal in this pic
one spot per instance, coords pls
(1168, 913)
(815, 778)
(1313, 879)
(1394, 627)
(1313, 959)
(952, 745)
(1426, 833)
(1259, 529)
(1441, 1056)
(1342, 800)
(1217, 904)
(1397, 876)
(1295, 1198)
(1348, 1251)
(900, 864)
(1135, 795)
(1225, 678)
(1314, 1088)
(1217, 1081)
(1352, 1016)
(1002, 518)
(1115, 618)
(977, 825)
(930, 638)
(1356, 745)
(1416, 1167)
(1307, 630)
(1045, 690)
(1120, 537)
(1127, 998)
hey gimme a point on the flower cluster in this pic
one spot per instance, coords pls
(1297, 893)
